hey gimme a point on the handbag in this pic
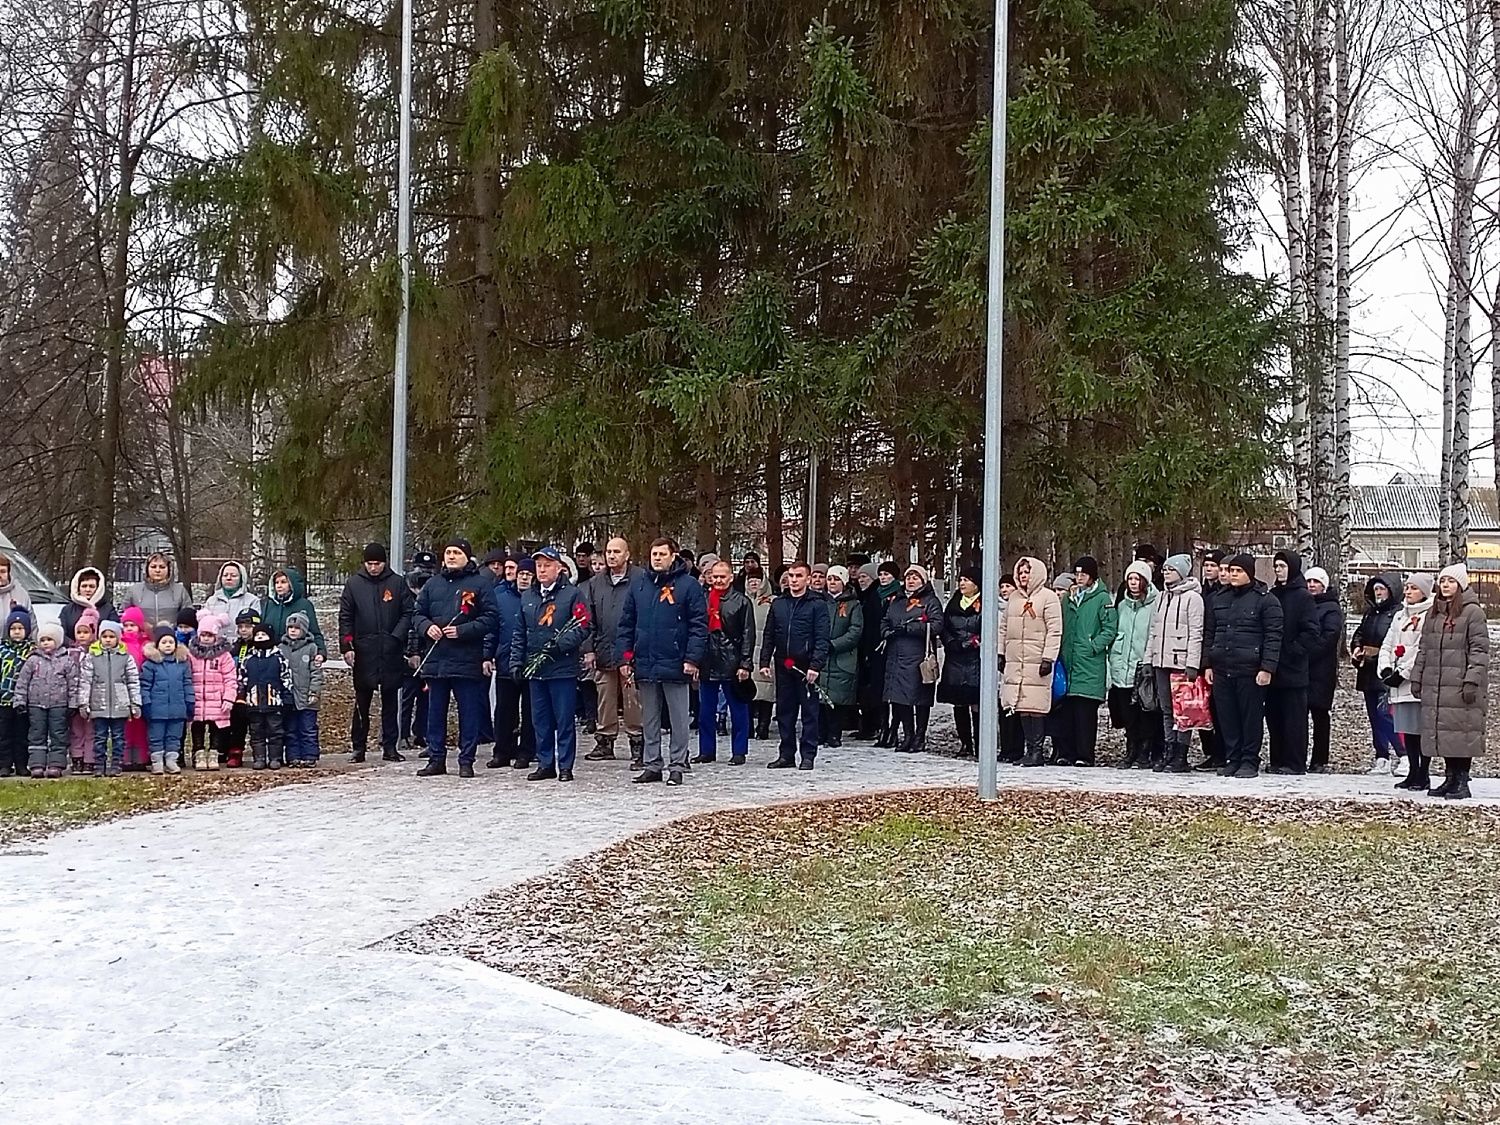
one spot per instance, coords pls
(1059, 679)
(1145, 688)
(929, 666)
(1190, 703)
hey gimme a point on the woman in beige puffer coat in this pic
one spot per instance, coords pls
(1030, 638)
(1451, 677)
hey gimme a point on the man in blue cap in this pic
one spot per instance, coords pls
(544, 650)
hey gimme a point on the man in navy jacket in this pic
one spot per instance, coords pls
(795, 644)
(662, 638)
(455, 612)
(554, 623)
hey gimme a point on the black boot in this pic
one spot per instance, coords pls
(908, 743)
(392, 755)
(923, 714)
(1450, 778)
(1460, 790)
(357, 756)
(1034, 756)
(1177, 758)
(433, 769)
(1132, 753)
(637, 752)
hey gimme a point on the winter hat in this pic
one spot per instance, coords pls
(1213, 556)
(188, 616)
(822, 568)
(209, 624)
(89, 617)
(1062, 582)
(888, 567)
(300, 619)
(526, 563)
(585, 548)
(1245, 561)
(247, 616)
(1148, 552)
(375, 552)
(869, 570)
(1143, 568)
(424, 560)
(18, 614)
(839, 572)
(135, 615)
(1422, 582)
(494, 555)
(1183, 565)
(461, 543)
(107, 627)
(1317, 574)
(162, 631)
(261, 636)
(921, 572)
(49, 629)
(973, 574)
(1459, 572)
(1088, 564)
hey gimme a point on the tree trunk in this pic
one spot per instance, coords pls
(1343, 453)
(705, 534)
(1445, 487)
(775, 536)
(648, 519)
(1465, 197)
(1323, 406)
(486, 189)
(114, 332)
(901, 488)
(1294, 209)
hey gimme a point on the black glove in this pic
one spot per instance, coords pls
(517, 675)
(1471, 693)
(1002, 663)
(1392, 678)
(1044, 668)
(1192, 673)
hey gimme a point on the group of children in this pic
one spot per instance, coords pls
(110, 697)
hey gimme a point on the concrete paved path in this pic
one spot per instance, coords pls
(209, 964)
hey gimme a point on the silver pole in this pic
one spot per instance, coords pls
(811, 547)
(989, 605)
(403, 322)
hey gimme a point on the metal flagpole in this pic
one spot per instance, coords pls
(989, 599)
(403, 323)
(811, 535)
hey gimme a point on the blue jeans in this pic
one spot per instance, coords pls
(109, 742)
(739, 719)
(472, 699)
(1382, 726)
(163, 736)
(553, 703)
(302, 734)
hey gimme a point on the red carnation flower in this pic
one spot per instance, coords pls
(1400, 651)
(789, 663)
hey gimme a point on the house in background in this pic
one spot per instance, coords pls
(1395, 525)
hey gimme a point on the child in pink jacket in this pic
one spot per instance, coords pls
(133, 640)
(215, 682)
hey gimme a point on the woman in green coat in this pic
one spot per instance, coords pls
(839, 683)
(1133, 610)
(1089, 626)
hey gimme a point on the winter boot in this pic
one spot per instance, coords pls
(1450, 778)
(357, 756)
(637, 752)
(966, 746)
(157, 762)
(923, 714)
(1132, 753)
(1460, 790)
(1177, 758)
(908, 743)
(1420, 774)
(603, 751)
(1034, 756)
(257, 759)
(392, 755)
(200, 759)
(433, 769)
(172, 764)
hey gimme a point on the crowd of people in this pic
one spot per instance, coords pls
(529, 646)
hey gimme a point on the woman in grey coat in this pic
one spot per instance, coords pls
(159, 595)
(1451, 678)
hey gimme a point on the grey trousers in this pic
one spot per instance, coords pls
(655, 695)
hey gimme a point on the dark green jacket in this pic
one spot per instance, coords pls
(1089, 628)
(839, 683)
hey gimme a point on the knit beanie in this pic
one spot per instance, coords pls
(1143, 568)
(1317, 574)
(526, 563)
(822, 568)
(1062, 583)
(300, 619)
(462, 544)
(89, 617)
(888, 567)
(870, 571)
(921, 572)
(1088, 564)
(261, 636)
(973, 574)
(111, 627)
(1213, 556)
(375, 552)
(1459, 572)
(188, 616)
(839, 572)
(50, 629)
(1244, 561)
(1183, 564)
(1423, 582)
(210, 625)
(162, 631)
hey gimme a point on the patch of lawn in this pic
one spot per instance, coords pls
(1335, 954)
(30, 808)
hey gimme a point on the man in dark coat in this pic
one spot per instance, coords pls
(663, 639)
(619, 701)
(730, 656)
(375, 611)
(1241, 651)
(455, 612)
(553, 626)
(1286, 698)
(506, 718)
(795, 644)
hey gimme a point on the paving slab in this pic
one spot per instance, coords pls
(210, 964)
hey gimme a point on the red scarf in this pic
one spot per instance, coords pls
(714, 620)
